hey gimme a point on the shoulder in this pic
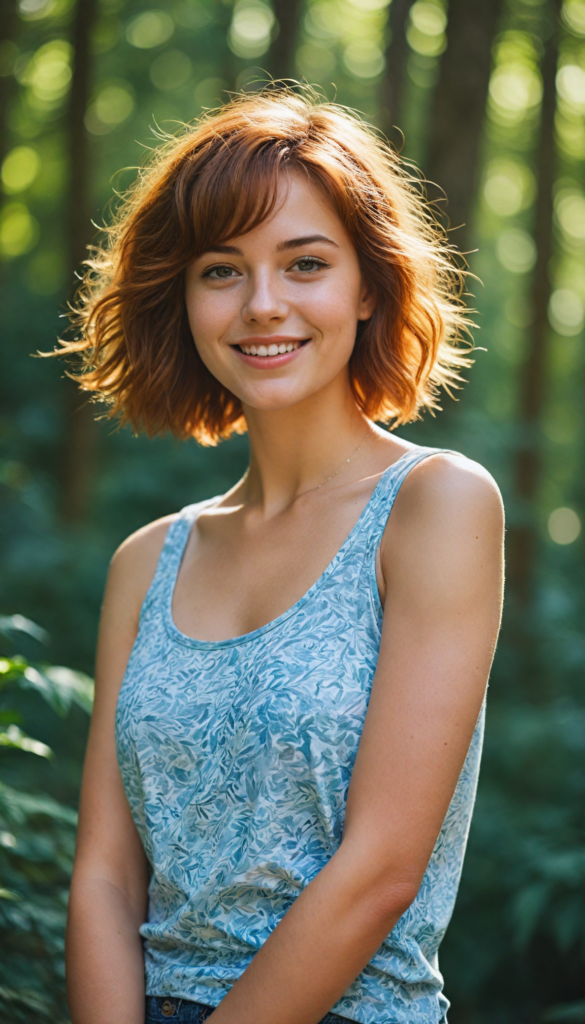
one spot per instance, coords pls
(450, 487)
(140, 551)
(134, 563)
(447, 520)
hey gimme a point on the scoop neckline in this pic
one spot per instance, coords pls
(244, 638)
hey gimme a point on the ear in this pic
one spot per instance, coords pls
(367, 302)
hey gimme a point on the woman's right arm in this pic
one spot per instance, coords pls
(105, 965)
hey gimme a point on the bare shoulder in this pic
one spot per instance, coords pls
(133, 565)
(143, 545)
(446, 527)
(449, 488)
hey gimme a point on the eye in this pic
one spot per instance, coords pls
(309, 264)
(221, 272)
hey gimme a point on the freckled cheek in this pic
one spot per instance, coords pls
(209, 318)
(335, 316)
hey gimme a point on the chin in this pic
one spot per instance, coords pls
(272, 403)
(270, 399)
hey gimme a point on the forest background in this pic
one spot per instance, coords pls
(490, 98)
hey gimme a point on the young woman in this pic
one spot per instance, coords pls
(290, 677)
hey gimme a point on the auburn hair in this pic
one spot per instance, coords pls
(218, 179)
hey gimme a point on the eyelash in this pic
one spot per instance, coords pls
(220, 266)
(319, 264)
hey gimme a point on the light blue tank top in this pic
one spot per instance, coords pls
(236, 757)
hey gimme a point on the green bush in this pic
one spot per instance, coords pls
(37, 837)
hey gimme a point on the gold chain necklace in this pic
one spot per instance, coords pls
(323, 482)
(343, 465)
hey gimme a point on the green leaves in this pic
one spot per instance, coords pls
(37, 840)
(18, 740)
(10, 624)
(59, 686)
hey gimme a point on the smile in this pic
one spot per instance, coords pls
(271, 350)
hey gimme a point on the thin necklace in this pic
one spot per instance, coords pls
(323, 482)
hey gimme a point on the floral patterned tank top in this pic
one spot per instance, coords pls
(236, 757)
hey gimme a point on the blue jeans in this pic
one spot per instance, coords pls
(163, 1009)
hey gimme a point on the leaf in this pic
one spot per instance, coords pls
(59, 686)
(11, 669)
(18, 740)
(20, 624)
(33, 679)
(18, 806)
(8, 894)
(75, 686)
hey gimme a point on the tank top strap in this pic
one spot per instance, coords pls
(390, 483)
(163, 581)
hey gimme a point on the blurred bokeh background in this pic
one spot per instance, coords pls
(490, 98)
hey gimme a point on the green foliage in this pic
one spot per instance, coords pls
(37, 838)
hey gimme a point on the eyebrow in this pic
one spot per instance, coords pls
(291, 243)
(298, 243)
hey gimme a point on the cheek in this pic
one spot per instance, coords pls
(335, 310)
(207, 318)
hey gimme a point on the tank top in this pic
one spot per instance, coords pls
(236, 757)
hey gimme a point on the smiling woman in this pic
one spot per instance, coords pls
(219, 180)
(290, 680)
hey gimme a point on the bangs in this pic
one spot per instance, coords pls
(236, 189)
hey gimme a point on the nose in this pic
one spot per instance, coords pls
(265, 302)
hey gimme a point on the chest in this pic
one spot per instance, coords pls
(240, 572)
(293, 699)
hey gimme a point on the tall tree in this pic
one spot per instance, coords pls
(528, 465)
(396, 54)
(458, 108)
(8, 30)
(282, 52)
(80, 440)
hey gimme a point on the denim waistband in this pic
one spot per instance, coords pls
(168, 1010)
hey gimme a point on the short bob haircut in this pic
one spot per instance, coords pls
(217, 179)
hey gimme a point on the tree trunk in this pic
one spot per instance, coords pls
(80, 441)
(396, 55)
(282, 52)
(8, 33)
(528, 467)
(458, 109)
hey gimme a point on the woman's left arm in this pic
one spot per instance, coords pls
(441, 560)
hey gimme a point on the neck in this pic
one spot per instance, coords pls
(296, 449)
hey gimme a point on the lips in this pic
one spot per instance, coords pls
(271, 352)
(264, 348)
(263, 351)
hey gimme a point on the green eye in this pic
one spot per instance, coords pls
(220, 273)
(308, 264)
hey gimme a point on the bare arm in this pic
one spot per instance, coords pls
(442, 562)
(105, 968)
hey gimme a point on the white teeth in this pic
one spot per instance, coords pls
(270, 350)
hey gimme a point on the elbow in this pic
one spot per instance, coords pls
(384, 890)
(394, 897)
